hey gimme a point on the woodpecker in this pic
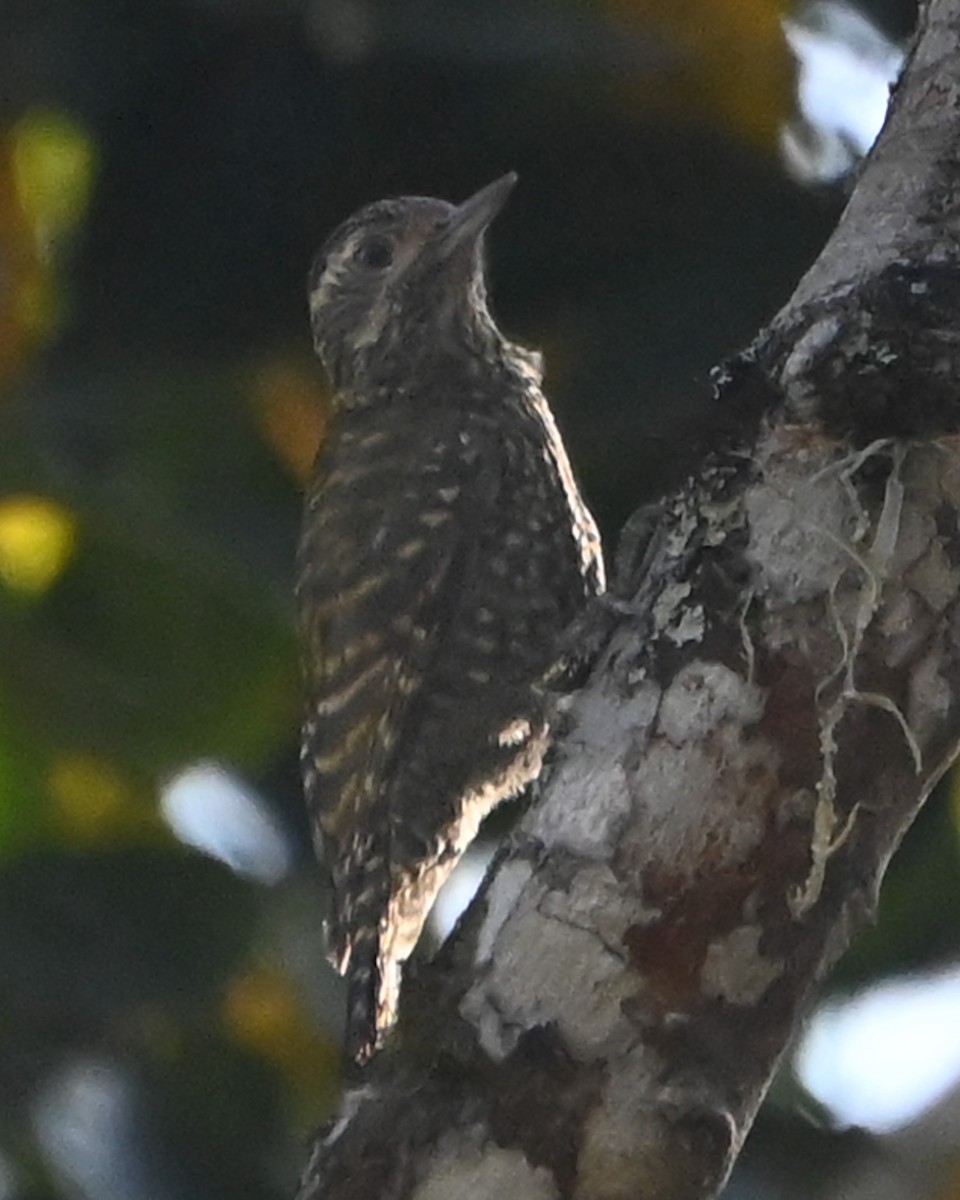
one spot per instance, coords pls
(445, 548)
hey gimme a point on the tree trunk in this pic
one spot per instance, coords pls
(776, 692)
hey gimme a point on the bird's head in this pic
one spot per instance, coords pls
(402, 276)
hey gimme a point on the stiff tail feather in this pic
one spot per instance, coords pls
(363, 1033)
(371, 967)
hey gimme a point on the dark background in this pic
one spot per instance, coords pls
(167, 168)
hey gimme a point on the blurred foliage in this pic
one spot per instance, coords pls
(734, 72)
(166, 171)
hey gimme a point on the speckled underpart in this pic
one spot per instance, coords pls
(445, 548)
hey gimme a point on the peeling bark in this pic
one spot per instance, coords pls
(776, 692)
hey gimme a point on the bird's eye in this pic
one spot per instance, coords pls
(374, 252)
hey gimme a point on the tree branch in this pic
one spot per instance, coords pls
(775, 696)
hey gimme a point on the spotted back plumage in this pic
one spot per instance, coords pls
(445, 548)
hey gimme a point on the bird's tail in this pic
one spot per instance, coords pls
(362, 1033)
(371, 965)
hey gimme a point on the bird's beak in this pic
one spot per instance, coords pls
(472, 217)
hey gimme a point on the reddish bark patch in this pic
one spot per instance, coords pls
(790, 720)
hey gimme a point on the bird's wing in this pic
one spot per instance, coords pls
(376, 578)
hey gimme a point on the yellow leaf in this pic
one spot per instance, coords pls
(264, 1012)
(732, 65)
(37, 538)
(53, 162)
(92, 802)
(291, 411)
